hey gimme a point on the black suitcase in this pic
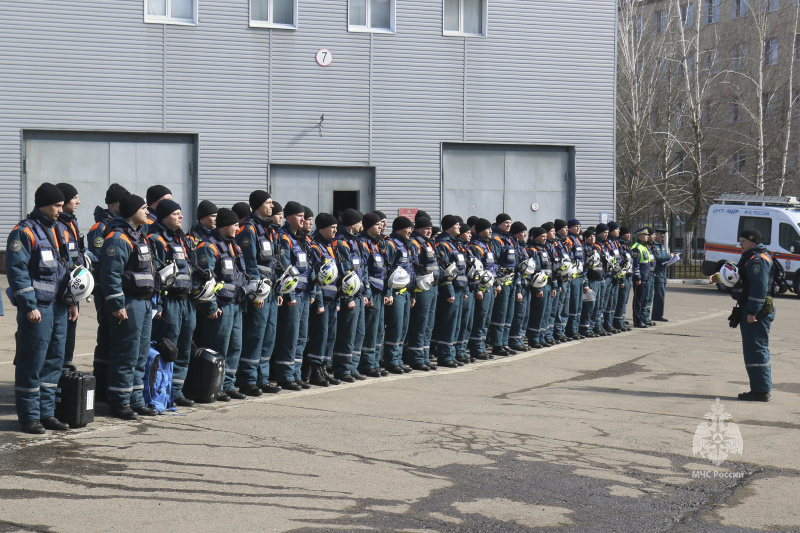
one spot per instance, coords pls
(75, 398)
(204, 378)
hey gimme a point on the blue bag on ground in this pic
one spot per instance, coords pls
(158, 375)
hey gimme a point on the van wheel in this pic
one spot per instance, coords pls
(723, 288)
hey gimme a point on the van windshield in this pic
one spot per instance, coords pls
(762, 224)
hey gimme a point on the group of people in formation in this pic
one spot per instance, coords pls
(293, 300)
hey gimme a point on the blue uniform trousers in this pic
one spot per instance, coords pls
(587, 311)
(622, 302)
(346, 330)
(254, 325)
(39, 358)
(553, 311)
(562, 314)
(422, 316)
(755, 345)
(322, 334)
(600, 304)
(519, 323)
(639, 302)
(396, 319)
(304, 304)
(659, 293)
(177, 323)
(268, 345)
(648, 305)
(546, 327)
(465, 328)
(499, 320)
(445, 330)
(431, 324)
(69, 342)
(373, 323)
(575, 305)
(224, 335)
(361, 331)
(100, 363)
(538, 306)
(131, 347)
(288, 327)
(482, 315)
(611, 305)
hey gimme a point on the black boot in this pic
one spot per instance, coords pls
(316, 377)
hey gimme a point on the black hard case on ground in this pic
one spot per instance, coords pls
(204, 378)
(75, 398)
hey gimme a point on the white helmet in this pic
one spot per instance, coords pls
(539, 280)
(87, 261)
(351, 284)
(566, 269)
(593, 261)
(487, 279)
(81, 284)
(328, 273)
(205, 292)
(729, 274)
(167, 275)
(425, 282)
(451, 272)
(527, 267)
(258, 289)
(399, 279)
(475, 270)
(288, 280)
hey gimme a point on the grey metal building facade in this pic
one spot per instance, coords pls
(410, 117)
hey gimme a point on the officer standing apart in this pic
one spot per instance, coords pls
(661, 256)
(76, 246)
(175, 315)
(641, 276)
(38, 265)
(128, 280)
(222, 317)
(757, 310)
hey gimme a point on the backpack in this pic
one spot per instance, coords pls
(158, 375)
(777, 277)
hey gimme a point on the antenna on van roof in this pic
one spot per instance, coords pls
(754, 199)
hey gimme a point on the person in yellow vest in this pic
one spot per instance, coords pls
(641, 276)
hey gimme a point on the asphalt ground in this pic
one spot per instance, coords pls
(595, 435)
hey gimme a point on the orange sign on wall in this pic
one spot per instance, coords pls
(409, 213)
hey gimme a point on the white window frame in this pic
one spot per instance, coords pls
(154, 19)
(484, 29)
(368, 28)
(269, 23)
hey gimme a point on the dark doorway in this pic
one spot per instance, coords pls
(343, 200)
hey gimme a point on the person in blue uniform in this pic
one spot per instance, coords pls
(615, 253)
(95, 239)
(641, 276)
(468, 311)
(292, 251)
(398, 304)
(242, 210)
(372, 246)
(76, 247)
(627, 282)
(154, 194)
(175, 315)
(257, 238)
(561, 245)
(661, 256)
(595, 273)
(651, 285)
(554, 252)
(128, 279)
(756, 308)
(604, 289)
(37, 265)
(503, 310)
(206, 221)
(423, 300)
(575, 245)
(452, 294)
(522, 292)
(541, 296)
(324, 313)
(482, 249)
(222, 317)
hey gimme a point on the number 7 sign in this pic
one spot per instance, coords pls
(324, 57)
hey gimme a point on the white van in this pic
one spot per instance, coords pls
(776, 217)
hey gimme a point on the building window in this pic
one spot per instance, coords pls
(687, 15)
(638, 30)
(796, 102)
(710, 63)
(709, 110)
(771, 51)
(739, 57)
(770, 5)
(679, 164)
(655, 121)
(170, 11)
(659, 22)
(468, 17)
(685, 65)
(740, 8)
(736, 112)
(371, 15)
(797, 46)
(708, 161)
(712, 12)
(736, 167)
(273, 13)
(680, 117)
(767, 105)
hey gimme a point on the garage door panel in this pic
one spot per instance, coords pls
(474, 169)
(461, 202)
(314, 186)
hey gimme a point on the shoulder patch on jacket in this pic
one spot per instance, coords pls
(16, 245)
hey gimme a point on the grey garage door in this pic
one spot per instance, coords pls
(485, 180)
(324, 189)
(92, 161)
